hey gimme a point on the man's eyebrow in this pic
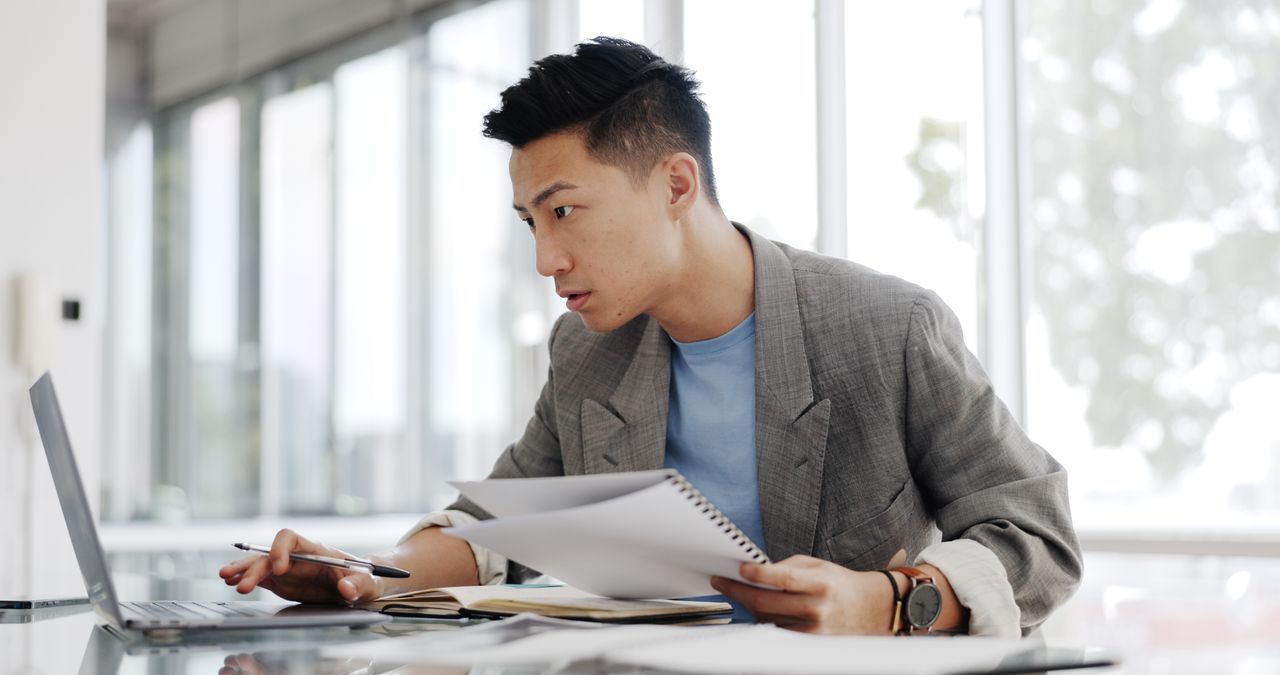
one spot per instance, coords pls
(546, 194)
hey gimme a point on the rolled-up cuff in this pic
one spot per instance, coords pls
(491, 566)
(980, 583)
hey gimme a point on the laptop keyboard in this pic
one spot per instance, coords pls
(185, 610)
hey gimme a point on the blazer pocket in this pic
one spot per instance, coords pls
(870, 544)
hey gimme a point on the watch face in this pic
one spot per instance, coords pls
(924, 603)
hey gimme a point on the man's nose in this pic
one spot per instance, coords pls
(551, 259)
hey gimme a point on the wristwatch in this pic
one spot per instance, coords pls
(921, 604)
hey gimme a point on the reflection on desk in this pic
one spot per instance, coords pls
(76, 643)
(41, 614)
(71, 642)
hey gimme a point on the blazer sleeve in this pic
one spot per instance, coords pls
(981, 475)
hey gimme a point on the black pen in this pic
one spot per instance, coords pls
(346, 563)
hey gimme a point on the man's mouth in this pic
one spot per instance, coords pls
(576, 301)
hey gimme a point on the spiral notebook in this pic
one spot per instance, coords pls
(644, 534)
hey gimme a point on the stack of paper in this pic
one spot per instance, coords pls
(768, 649)
(736, 648)
(526, 639)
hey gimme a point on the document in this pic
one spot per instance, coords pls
(525, 639)
(736, 648)
(564, 602)
(647, 534)
(769, 649)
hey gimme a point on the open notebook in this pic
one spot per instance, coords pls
(643, 534)
(564, 602)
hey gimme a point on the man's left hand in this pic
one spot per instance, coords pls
(815, 596)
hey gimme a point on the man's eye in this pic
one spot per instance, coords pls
(563, 211)
(527, 221)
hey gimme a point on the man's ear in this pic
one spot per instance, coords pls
(683, 183)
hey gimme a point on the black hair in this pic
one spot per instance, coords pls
(632, 107)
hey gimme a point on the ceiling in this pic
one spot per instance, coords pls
(142, 13)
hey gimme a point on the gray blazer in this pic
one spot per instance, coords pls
(876, 429)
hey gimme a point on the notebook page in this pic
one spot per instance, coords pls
(653, 543)
(515, 496)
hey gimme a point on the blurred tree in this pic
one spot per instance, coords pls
(939, 164)
(1154, 151)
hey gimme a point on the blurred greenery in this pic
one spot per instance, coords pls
(1154, 147)
(1153, 206)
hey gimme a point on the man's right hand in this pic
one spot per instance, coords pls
(301, 581)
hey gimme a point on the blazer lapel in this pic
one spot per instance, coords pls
(629, 433)
(791, 427)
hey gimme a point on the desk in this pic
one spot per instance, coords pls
(1158, 629)
(71, 642)
(77, 641)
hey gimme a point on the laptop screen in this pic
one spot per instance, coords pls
(75, 505)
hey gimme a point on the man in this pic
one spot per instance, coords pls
(833, 413)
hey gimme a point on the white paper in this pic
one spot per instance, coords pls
(768, 649)
(524, 639)
(651, 543)
(527, 639)
(517, 496)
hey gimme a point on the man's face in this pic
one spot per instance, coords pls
(610, 246)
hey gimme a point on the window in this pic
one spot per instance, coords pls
(214, 472)
(763, 114)
(371, 307)
(614, 18)
(1154, 337)
(479, 275)
(345, 311)
(914, 130)
(296, 300)
(129, 345)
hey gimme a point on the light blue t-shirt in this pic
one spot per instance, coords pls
(711, 424)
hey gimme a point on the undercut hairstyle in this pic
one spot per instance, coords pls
(632, 107)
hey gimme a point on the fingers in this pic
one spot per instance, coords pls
(358, 587)
(305, 583)
(238, 567)
(242, 664)
(778, 607)
(796, 574)
(287, 541)
(257, 571)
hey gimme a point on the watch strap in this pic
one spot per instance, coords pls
(895, 625)
(916, 578)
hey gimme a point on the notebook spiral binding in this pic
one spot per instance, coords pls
(722, 521)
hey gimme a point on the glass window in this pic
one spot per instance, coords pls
(761, 99)
(375, 328)
(914, 127)
(371, 277)
(614, 18)
(215, 475)
(128, 461)
(297, 301)
(1154, 337)
(479, 258)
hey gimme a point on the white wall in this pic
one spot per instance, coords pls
(51, 137)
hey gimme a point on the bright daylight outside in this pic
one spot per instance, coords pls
(1153, 342)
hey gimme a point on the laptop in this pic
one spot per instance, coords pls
(157, 615)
